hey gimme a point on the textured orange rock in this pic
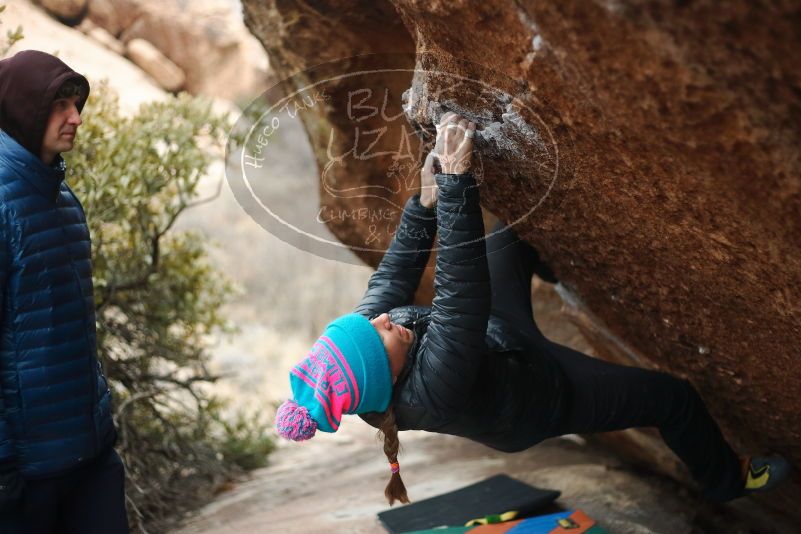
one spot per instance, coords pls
(660, 145)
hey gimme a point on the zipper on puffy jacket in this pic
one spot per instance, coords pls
(92, 360)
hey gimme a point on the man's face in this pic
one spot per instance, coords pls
(397, 341)
(62, 127)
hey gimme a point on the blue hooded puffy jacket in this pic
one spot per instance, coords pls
(55, 404)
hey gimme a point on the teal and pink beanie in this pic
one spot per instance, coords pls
(346, 372)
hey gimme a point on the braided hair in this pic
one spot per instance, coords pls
(395, 490)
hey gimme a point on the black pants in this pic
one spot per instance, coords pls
(602, 396)
(88, 500)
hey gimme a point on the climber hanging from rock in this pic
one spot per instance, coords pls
(475, 364)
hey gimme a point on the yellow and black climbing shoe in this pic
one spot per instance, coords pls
(764, 473)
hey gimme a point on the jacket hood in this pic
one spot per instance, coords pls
(29, 81)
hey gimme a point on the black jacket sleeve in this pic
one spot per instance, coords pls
(395, 281)
(454, 345)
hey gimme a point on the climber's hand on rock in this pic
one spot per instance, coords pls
(454, 146)
(428, 185)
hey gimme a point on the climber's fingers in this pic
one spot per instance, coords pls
(454, 144)
(464, 154)
(460, 146)
(428, 164)
(453, 133)
(461, 131)
(444, 119)
(427, 174)
(442, 129)
(428, 183)
(439, 145)
(466, 144)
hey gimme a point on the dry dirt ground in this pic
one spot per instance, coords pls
(335, 484)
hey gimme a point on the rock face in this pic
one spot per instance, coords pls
(205, 39)
(65, 10)
(86, 56)
(166, 73)
(101, 36)
(650, 151)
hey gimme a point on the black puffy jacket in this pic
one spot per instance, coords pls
(468, 373)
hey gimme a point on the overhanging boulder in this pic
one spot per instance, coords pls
(658, 142)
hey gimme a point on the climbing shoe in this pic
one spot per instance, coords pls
(764, 473)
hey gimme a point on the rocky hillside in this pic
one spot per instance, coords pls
(86, 55)
(199, 46)
(650, 151)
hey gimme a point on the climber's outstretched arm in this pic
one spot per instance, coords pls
(398, 275)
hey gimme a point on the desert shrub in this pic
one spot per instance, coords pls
(159, 301)
(246, 440)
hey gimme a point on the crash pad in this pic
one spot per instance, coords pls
(490, 497)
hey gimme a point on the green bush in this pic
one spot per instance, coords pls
(158, 300)
(246, 441)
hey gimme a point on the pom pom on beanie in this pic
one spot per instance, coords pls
(346, 372)
(294, 422)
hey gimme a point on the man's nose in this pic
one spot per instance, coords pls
(75, 116)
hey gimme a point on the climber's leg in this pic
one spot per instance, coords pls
(512, 263)
(601, 397)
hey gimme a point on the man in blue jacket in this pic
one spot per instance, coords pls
(58, 469)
